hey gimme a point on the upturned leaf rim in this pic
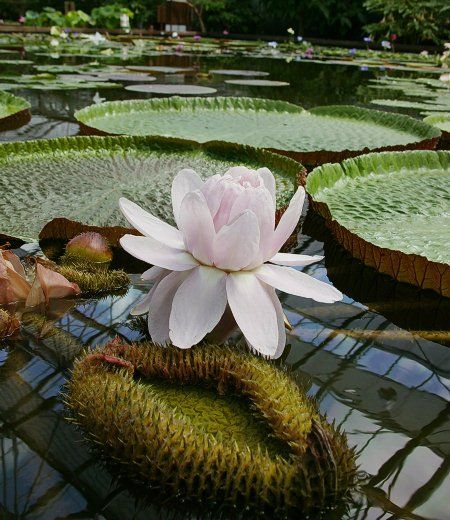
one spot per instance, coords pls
(410, 268)
(427, 136)
(19, 111)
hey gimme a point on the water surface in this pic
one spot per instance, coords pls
(377, 363)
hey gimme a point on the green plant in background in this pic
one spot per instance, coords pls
(326, 18)
(77, 19)
(412, 20)
(144, 11)
(108, 16)
(48, 16)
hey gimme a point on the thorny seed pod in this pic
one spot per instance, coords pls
(150, 408)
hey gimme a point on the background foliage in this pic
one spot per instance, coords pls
(412, 21)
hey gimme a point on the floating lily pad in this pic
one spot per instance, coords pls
(16, 62)
(160, 70)
(400, 103)
(257, 82)
(14, 112)
(439, 121)
(58, 69)
(72, 85)
(88, 175)
(392, 212)
(185, 90)
(81, 77)
(320, 135)
(126, 77)
(237, 72)
(211, 422)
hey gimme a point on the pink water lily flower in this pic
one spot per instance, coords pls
(47, 284)
(223, 251)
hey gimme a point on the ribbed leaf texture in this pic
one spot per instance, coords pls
(82, 178)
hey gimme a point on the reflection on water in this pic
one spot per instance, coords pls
(387, 387)
(377, 362)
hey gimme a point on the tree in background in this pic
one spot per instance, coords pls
(238, 16)
(202, 7)
(318, 18)
(413, 21)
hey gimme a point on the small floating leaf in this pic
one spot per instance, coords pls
(400, 103)
(16, 62)
(126, 77)
(161, 70)
(186, 90)
(439, 121)
(238, 72)
(257, 82)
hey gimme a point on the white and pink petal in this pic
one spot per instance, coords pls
(149, 225)
(254, 311)
(197, 306)
(185, 181)
(237, 244)
(295, 282)
(288, 222)
(161, 306)
(291, 260)
(197, 226)
(156, 253)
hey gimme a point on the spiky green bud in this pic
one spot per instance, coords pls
(94, 280)
(150, 409)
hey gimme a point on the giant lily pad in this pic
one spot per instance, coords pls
(89, 174)
(436, 105)
(319, 135)
(14, 111)
(441, 121)
(212, 426)
(392, 212)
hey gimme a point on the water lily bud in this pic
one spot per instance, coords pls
(89, 246)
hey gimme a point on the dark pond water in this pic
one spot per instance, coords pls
(377, 363)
